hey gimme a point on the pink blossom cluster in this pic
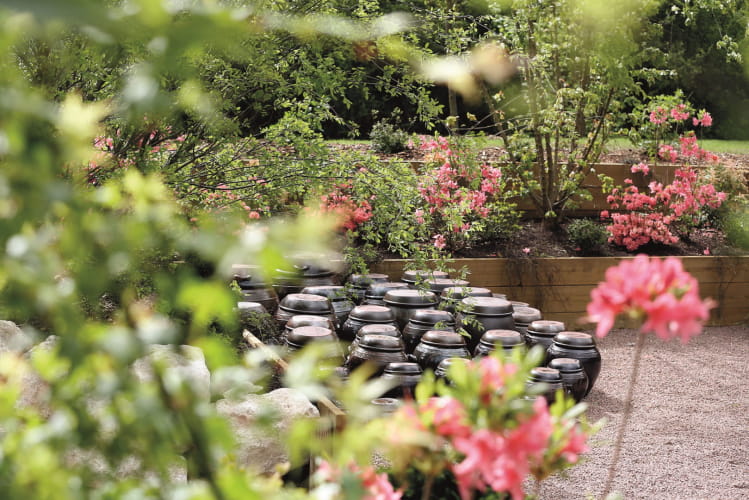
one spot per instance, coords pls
(679, 113)
(688, 150)
(351, 213)
(222, 197)
(651, 216)
(660, 291)
(376, 486)
(492, 453)
(456, 193)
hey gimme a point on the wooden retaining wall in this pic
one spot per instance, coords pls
(560, 287)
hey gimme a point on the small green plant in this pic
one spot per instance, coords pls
(386, 138)
(587, 235)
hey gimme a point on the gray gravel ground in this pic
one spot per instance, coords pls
(688, 435)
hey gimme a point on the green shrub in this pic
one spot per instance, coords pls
(587, 235)
(386, 138)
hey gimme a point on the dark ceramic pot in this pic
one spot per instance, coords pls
(438, 345)
(436, 285)
(340, 301)
(385, 406)
(484, 314)
(377, 350)
(365, 315)
(308, 320)
(404, 302)
(300, 337)
(374, 294)
(360, 282)
(542, 333)
(507, 340)
(405, 376)
(524, 316)
(299, 276)
(420, 276)
(376, 329)
(423, 320)
(574, 378)
(551, 380)
(580, 346)
(451, 296)
(254, 289)
(303, 303)
(443, 369)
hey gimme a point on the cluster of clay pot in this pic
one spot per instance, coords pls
(402, 328)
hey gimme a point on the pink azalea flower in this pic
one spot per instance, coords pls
(706, 251)
(450, 418)
(658, 290)
(604, 214)
(526, 250)
(439, 241)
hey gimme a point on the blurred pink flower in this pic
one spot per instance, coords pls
(439, 241)
(526, 250)
(660, 291)
(706, 251)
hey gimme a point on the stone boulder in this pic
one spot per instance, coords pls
(13, 339)
(261, 448)
(186, 364)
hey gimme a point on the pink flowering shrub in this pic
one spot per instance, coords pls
(460, 198)
(341, 203)
(660, 292)
(484, 430)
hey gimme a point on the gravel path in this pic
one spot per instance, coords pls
(688, 435)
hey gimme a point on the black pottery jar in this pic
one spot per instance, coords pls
(365, 315)
(551, 380)
(385, 406)
(303, 303)
(423, 320)
(388, 329)
(542, 332)
(417, 278)
(507, 340)
(443, 369)
(340, 301)
(437, 345)
(580, 346)
(483, 314)
(308, 320)
(254, 288)
(300, 337)
(404, 302)
(574, 378)
(436, 285)
(405, 376)
(451, 296)
(360, 282)
(374, 294)
(524, 316)
(293, 280)
(377, 350)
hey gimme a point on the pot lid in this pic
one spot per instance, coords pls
(526, 315)
(412, 276)
(403, 368)
(248, 277)
(335, 293)
(566, 365)
(500, 295)
(410, 297)
(372, 314)
(438, 284)
(545, 374)
(384, 329)
(299, 320)
(441, 338)
(487, 306)
(378, 290)
(446, 363)
(461, 292)
(381, 342)
(304, 334)
(431, 317)
(364, 280)
(251, 307)
(506, 338)
(577, 340)
(306, 303)
(546, 327)
(304, 270)
(517, 303)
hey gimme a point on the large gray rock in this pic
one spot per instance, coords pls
(186, 364)
(35, 391)
(13, 339)
(261, 448)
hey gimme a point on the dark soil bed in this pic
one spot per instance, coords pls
(687, 435)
